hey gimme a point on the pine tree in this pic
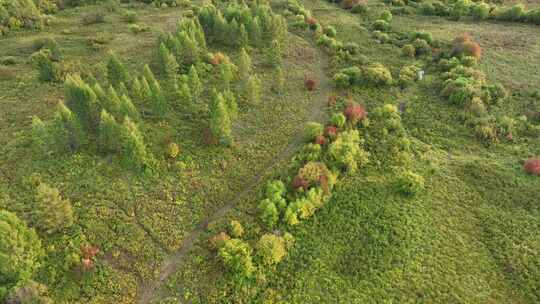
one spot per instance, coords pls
(81, 99)
(226, 73)
(244, 65)
(184, 96)
(199, 35)
(116, 71)
(41, 137)
(134, 154)
(279, 80)
(66, 130)
(194, 82)
(243, 37)
(256, 32)
(157, 99)
(137, 90)
(51, 212)
(220, 122)
(233, 33)
(100, 94)
(167, 62)
(109, 132)
(232, 106)
(148, 74)
(122, 89)
(220, 28)
(190, 52)
(253, 90)
(273, 53)
(146, 91)
(112, 103)
(126, 108)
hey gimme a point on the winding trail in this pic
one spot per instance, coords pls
(153, 291)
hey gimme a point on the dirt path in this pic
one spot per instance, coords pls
(153, 291)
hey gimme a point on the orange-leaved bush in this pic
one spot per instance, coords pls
(463, 45)
(532, 166)
(355, 112)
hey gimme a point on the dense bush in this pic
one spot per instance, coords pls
(236, 255)
(408, 50)
(346, 152)
(480, 11)
(29, 293)
(377, 74)
(410, 183)
(20, 252)
(463, 45)
(48, 70)
(312, 130)
(271, 249)
(381, 25)
(354, 113)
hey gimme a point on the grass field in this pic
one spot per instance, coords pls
(471, 235)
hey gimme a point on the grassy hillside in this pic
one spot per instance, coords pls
(432, 203)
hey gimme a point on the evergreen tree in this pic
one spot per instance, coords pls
(112, 103)
(126, 108)
(122, 89)
(100, 94)
(81, 99)
(48, 70)
(243, 37)
(226, 73)
(51, 212)
(137, 90)
(279, 80)
(220, 28)
(134, 154)
(194, 82)
(220, 122)
(109, 132)
(67, 132)
(190, 52)
(253, 90)
(273, 53)
(146, 91)
(168, 65)
(232, 106)
(199, 35)
(41, 137)
(158, 101)
(244, 65)
(148, 74)
(256, 32)
(184, 96)
(233, 33)
(116, 71)
(20, 252)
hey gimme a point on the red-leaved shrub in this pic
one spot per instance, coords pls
(348, 4)
(331, 131)
(321, 140)
(311, 21)
(355, 112)
(465, 46)
(310, 84)
(532, 166)
(299, 182)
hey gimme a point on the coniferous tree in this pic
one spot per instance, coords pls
(81, 99)
(41, 135)
(273, 53)
(199, 35)
(232, 105)
(100, 94)
(134, 154)
(126, 108)
(112, 103)
(66, 130)
(137, 90)
(253, 90)
(226, 73)
(243, 37)
(233, 31)
(116, 71)
(146, 91)
(48, 70)
(51, 212)
(244, 65)
(122, 89)
(184, 96)
(220, 122)
(158, 101)
(109, 134)
(256, 32)
(220, 28)
(279, 80)
(194, 82)
(168, 65)
(190, 52)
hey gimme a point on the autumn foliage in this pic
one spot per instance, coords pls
(310, 84)
(463, 45)
(355, 112)
(532, 166)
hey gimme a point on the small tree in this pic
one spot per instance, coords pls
(256, 32)
(244, 65)
(243, 37)
(194, 82)
(116, 71)
(20, 252)
(167, 62)
(148, 74)
(232, 106)
(41, 137)
(51, 212)
(157, 99)
(134, 154)
(271, 249)
(67, 133)
(137, 90)
(48, 70)
(253, 90)
(273, 53)
(81, 99)
(226, 74)
(126, 108)
(112, 102)
(183, 96)
(109, 134)
(220, 122)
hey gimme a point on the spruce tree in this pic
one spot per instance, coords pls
(253, 90)
(184, 97)
(158, 102)
(122, 89)
(148, 74)
(220, 122)
(199, 35)
(190, 52)
(273, 53)
(100, 94)
(168, 65)
(243, 37)
(256, 32)
(66, 130)
(116, 71)
(220, 28)
(112, 103)
(146, 91)
(232, 105)
(195, 82)
(81, 99)
(109, 133)
(134, 154)
(244, 65)
(126, 108)
(51, 213)
(226, 73)
(233, 33)
(137, 90)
